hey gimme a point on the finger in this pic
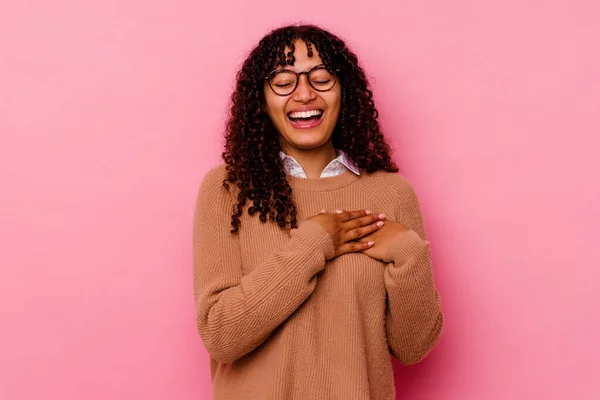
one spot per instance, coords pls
(358, 222)
(353, 247)
(355, 234)
(348, 215)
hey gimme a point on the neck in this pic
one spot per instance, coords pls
(313, 161)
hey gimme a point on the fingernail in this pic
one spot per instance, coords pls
(338, 211)
(368, 212)
(370, 243)
(380, 223)
(381, 216)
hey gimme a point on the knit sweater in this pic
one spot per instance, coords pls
(281, 322)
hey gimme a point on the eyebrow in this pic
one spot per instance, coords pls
(290, 68)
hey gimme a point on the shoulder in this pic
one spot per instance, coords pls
(396, 193)
(212, 188)
(390, 185)
(215, 175)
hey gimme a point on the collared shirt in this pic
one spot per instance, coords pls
(334, 168)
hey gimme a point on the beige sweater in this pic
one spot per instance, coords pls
(279, 322)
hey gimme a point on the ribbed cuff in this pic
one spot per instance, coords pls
(409, 245)
(316, 235)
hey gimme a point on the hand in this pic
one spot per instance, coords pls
(347, 227)
(383, 239)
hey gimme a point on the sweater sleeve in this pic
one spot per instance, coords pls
(414, 317)
(236, 312)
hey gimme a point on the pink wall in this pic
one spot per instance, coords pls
(110, 114)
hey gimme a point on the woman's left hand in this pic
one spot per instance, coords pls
(383, 238)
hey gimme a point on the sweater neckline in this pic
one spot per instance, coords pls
(323, 184)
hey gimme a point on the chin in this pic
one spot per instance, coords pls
(304, 142)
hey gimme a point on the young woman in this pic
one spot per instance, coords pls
(311, 264)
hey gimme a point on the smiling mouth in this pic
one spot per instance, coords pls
(306, 119)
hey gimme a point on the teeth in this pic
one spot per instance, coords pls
(305, 114)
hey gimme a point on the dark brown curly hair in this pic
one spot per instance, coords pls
(252, 143)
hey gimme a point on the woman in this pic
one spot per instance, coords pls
(311, 264)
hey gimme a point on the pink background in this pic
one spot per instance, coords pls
(111, 113)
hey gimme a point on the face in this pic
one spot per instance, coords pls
(305, 119)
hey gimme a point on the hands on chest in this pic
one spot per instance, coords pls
(359, 231)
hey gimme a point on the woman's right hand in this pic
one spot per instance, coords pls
(347, 227)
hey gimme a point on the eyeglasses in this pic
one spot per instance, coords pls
(284, 82)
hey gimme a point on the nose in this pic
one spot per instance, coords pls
(304, 92)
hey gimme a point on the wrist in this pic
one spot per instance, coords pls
(318, 235)
(407, 245)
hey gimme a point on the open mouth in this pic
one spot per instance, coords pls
(306, 119)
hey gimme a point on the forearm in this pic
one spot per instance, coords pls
(414, 318)
(236, 315)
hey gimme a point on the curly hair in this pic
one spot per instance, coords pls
(252, 143)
